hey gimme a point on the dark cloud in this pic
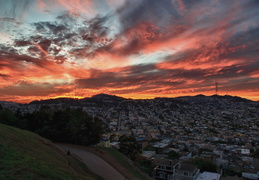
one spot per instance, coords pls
(80, 38)
(148, 77)
(152, 11)
(144, 76)
(20, 43)
(246, 84)
(4, 76)
(129, 76)
(7, 19)
(97, 26)
(23, 88)
(12, 56)
(53, 28)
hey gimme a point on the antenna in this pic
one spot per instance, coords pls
(216, 87)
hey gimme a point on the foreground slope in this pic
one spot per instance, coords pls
(25, 155)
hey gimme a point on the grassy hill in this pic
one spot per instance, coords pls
(25, 155)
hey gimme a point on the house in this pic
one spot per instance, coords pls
(104, 142)
(250, 175)
(185, 172)
(165, 169)
(175, 170)
(162, 145)
(245, 151)
(142, 142)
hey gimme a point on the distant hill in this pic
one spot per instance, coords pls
(113, 98)
(107, 96)
(25, 155)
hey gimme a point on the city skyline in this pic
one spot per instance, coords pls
(129, 48)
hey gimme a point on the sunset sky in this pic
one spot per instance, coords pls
(129, 48)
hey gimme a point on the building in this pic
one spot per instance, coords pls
(185, 172)
(175, 170)
(104, 142)
(165, 170)
(251, 176)
(208, 176)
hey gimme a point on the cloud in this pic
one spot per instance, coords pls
(137, 48)
(23, 88)
(14, 10)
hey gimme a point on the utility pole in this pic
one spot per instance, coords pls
(216, 87)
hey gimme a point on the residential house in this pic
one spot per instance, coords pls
(165, 170)
(104, 142)
(185, 172)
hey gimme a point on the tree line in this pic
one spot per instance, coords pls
(59, 125)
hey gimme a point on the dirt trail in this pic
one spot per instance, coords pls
(109, 159)
(93, 162)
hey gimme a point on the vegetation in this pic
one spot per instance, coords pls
(145, 165)
(231, 172)
(204, 165)
(150, 148)
(256, 154)
(129, 147)
(124, 162)
(173, 155)
(25, 155)
(68, 125)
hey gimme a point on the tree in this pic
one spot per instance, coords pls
(204, 165)
(130, 149)
(66, 125)
(125, 138)
(173, 155)
(8, 117)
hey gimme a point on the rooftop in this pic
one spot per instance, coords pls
(186, 167)
(208, 176)
(168, 162)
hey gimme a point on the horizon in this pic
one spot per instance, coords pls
(79, 98)
(138, 49)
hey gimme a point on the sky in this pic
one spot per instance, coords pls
(130, 48)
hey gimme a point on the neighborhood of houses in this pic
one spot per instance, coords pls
(221, 129)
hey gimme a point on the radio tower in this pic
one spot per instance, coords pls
(216, 87)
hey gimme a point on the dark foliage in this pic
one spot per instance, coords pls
(67, 125)
(204, 165)
(129, 146)
(173, 155)
(125, 138)
(130, 149)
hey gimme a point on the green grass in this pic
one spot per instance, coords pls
(124, 162)
(25, 155)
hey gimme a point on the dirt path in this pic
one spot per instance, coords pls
(93, 162)
(108, 158)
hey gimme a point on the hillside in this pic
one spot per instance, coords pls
(25, 155)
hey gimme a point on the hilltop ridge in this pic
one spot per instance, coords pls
(106, 97)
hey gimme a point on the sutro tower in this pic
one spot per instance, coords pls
(216, 87)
